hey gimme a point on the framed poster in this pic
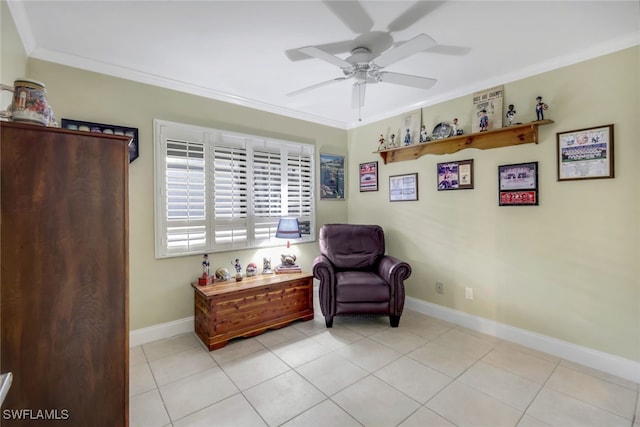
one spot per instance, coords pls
(331, 177)
(455, 175)
(487, 109)
(585, 153)
(134, 149)
(369, 176)
(403, 187)
(518, 184)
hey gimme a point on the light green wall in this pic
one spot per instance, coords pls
(13, 58)
(569, 268)
(159, 289)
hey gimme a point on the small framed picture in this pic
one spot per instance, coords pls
(518, 184)
(134, 149)
(585, 153)
(369, 176)
(331, 177)
(403, 188)
(455, 175)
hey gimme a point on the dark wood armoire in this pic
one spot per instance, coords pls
(64, 265)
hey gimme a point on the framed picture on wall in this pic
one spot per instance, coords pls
(331, 177)
(403, 188)
(518, 184)
(455, 175)
(369, 176)
(585, 153)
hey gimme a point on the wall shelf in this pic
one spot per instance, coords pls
(526, 133)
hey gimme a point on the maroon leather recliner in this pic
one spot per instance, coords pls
(356, 277)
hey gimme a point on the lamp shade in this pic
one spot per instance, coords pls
(288, 228)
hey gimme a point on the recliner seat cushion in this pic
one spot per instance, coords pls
(361, 286)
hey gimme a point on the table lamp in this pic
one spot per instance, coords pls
(288, 228)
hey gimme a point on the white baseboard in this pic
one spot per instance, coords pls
(157, 332)
(609, 363)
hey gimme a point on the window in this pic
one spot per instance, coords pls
(219, 191)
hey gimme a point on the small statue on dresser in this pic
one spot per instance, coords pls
(206, 278)
(238, 268)
(205, 265)
(266, 266)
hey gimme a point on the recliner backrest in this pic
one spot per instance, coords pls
(352, 246)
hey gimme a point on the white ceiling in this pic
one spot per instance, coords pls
(236, 51)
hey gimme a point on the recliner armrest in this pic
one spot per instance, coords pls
(393, 270)
(323, 271)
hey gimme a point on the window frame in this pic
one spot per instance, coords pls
(297, 178)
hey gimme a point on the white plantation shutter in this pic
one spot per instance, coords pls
(299, 186)
(218, 191)
(267, 194)
(230, 196)
(185, 196)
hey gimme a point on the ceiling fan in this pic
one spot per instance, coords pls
(366, 68)
(371, 51)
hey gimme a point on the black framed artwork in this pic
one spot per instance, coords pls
(134, 148)
(518, 184)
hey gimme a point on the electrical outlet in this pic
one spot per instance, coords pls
(468, 293)
(439, 288)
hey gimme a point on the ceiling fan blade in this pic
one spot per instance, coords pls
(321, 54)
(331, 48)
(357, 94)
(419, 10)
(408, 48)
(406, 80)
(315, 86)
(352, 14)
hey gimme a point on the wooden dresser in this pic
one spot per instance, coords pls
(230, 309)
(64, 265)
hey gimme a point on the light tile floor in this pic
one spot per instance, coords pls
(361, 372)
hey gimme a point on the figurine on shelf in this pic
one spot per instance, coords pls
(266, 266)
(540, 107)
(511, 114)
(205, 265)
(424, 136)
(381, 143)
(392, 144)
(484, 120)
(206, 278)
(407, 138)
(238, 269)
(455, 129)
